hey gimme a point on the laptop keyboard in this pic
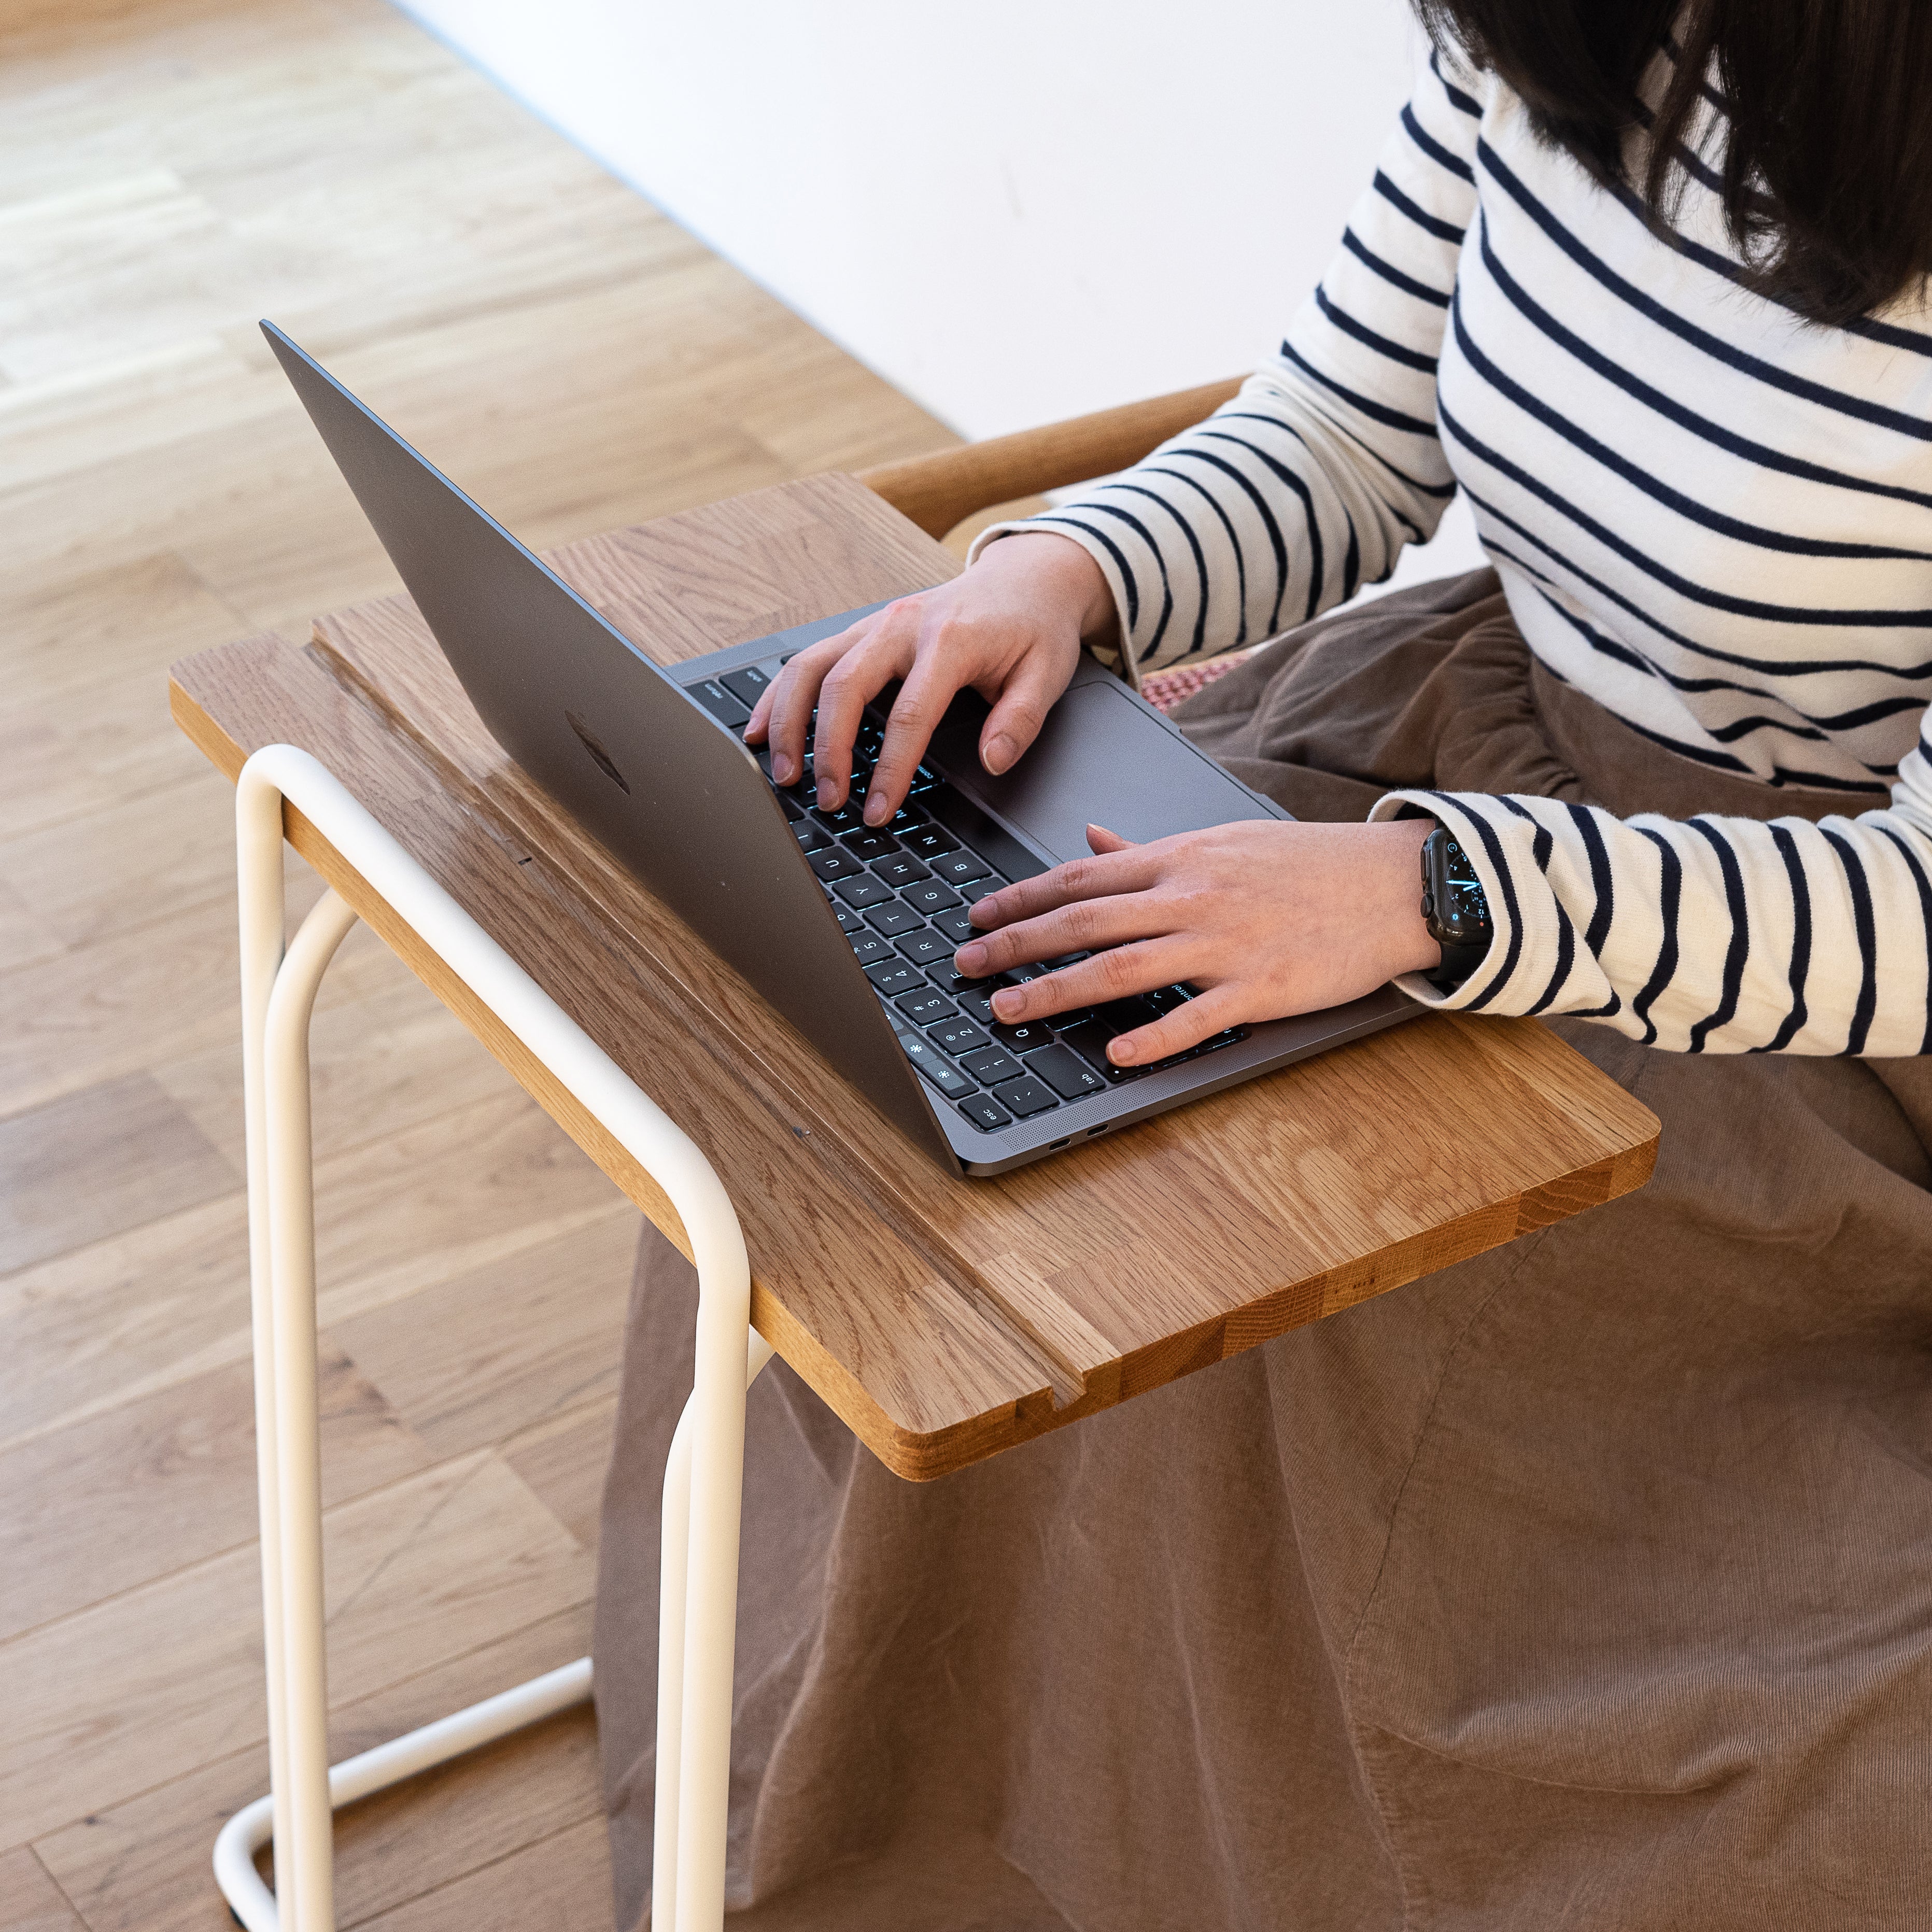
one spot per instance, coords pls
(901, 893)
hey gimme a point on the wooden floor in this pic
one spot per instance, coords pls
(168, 172)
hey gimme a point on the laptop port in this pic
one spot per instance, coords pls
(1053, 1147)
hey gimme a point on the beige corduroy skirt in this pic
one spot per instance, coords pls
(1587, 1584)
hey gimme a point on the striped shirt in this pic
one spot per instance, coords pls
(1710, 516)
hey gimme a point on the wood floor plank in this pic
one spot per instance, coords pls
(564, 1880)
(65, 630)
(24, 940)
(30, 1901)
(142, 1865)
(149, 1487)
(163, 994)
(128, 864)
(95, 1164)
(496, 1350)
(154, 1683)
(564, 1461)
(152, 1306)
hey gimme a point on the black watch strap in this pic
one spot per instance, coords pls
(1458, 963)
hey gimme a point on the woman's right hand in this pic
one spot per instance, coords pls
(1010, 628)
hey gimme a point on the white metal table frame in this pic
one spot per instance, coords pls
(703, 1477)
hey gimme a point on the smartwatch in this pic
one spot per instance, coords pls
(1454, 908)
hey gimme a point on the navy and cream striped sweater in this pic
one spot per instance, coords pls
(1712, 516)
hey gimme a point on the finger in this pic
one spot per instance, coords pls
(785, 709)
(1117, 974)
(930, 686)
(851, 684)
(1015, 718)
(1188, 1025)
(1105, 874)
(1087, 925)
(1100, 839)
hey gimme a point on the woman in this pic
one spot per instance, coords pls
(1588, 1583)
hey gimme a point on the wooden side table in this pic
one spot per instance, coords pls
(943, 1319)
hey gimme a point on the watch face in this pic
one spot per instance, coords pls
(1461, 908)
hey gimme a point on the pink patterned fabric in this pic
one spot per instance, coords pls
(1166, 689)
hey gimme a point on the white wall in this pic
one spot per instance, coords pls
(1015, 211)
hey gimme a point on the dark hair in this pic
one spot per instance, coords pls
(1826, 172)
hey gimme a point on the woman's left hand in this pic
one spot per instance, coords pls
(1266, 918)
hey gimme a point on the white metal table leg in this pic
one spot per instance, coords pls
(703, 1477)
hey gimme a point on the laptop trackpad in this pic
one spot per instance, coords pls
(1102, 758)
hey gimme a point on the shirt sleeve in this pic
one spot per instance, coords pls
(1309, 483)
(1709, 934)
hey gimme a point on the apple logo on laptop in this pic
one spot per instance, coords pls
(587, 738)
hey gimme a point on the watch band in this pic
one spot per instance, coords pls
(1458, 963)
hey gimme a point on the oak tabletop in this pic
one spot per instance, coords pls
(943, 1319)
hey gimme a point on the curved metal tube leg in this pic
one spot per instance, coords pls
(707, 1472)
(674, 1593)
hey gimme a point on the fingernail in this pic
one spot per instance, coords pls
(999, 754)
(877, 810)
(782, 768)
(1008, 1002)
(1120, 1052)
(970, 957)
(825, 790)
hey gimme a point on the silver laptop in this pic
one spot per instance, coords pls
(848, 931)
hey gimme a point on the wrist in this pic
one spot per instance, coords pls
(1406, 940)
(1062, 568)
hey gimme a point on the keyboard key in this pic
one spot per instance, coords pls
(1065, 1071)
(863, 891)
(928, 841)
(926, 948)
(870, 948)
(960, 867)
(901, 869)
(924, 1007)
(990, 1065)
(790, 807)
(1123, 1015)
(923, 780)
(849, 921)
(940, 1071)
(892, 919)
(892, 978)
(979, 1002)
(868, 844)
(1024, 1038)
(720, 702)
(846, 818)
(943, 976)
(905, 820)
(1024, 1096)
(986, 1112)
(956, 1036)
(981, 888)
(930, 896)
(812, 836)
(1215, 1041)
(833, 864)
(1089, 1042)
(746, 686)
(1164, 999)
(956, 926)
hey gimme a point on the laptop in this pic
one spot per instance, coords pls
(848, 931)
